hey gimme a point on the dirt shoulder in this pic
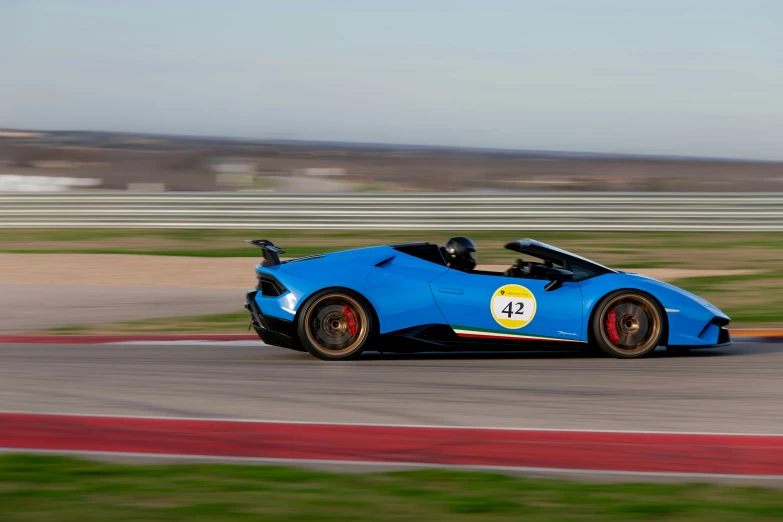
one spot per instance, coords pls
(127, 271)
(139, 286)
(181, 272)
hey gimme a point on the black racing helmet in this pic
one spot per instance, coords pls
(460, 253)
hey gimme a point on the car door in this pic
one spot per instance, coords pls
(479, 305)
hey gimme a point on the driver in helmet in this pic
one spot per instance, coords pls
(460, 253)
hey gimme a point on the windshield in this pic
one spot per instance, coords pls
(539, 244)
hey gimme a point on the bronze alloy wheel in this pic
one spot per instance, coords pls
(629, 325)
(336, 325)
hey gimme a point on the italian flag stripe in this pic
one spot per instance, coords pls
(476, 333)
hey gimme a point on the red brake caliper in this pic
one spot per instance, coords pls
(611, 326)
(350, 319)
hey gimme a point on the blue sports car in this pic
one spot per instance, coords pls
(421, 297)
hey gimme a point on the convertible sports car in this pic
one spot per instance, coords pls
(416, 297)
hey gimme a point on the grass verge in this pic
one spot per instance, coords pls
(754, 300)
(34, 488)
(236, 322)
(621, 249)
(750, 299)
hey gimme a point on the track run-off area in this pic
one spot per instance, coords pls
(706, 413)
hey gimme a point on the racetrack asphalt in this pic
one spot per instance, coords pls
(736, 389)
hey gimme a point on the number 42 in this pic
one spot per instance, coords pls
(508, 310)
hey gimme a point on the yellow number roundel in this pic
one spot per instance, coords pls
(513, 306)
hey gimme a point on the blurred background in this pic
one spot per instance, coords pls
(45, 160)
(350, 96)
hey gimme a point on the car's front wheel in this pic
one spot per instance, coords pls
(627, 325)
(335, 325)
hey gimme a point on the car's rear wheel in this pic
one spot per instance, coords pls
(627, 324)
(335, 325)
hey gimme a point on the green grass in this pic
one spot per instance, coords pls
(236, 322)
(712, 283)
(55, 489)
(749, 299)
(198, 252)
(620, 249)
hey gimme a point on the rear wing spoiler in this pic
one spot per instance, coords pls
(271, 252)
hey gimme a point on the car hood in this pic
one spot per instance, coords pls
(684, 293)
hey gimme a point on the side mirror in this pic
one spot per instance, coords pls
(557, 276)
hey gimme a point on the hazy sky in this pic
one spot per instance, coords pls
(641, 76)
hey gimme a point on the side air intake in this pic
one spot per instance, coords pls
(270, 287)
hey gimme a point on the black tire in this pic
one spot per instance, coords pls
(627, 324)
(335, 325)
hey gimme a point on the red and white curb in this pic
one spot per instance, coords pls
(639, 453)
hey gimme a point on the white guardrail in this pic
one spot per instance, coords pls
(433, 211)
